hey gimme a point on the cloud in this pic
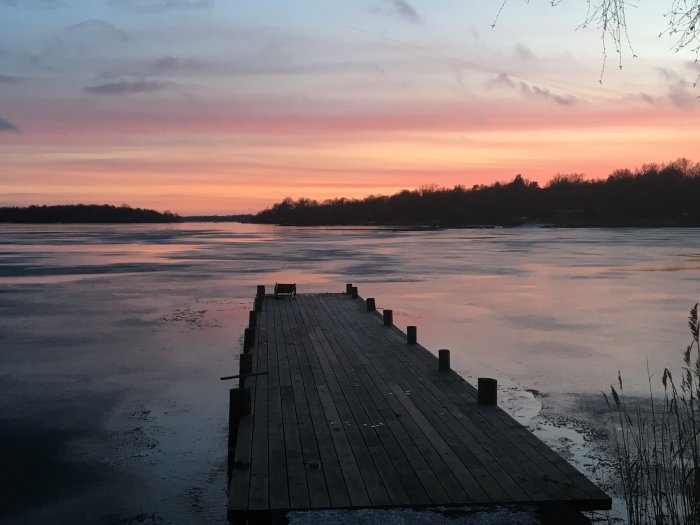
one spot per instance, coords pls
(502, 80)
(400, 8)
(524, 53)
(680, 96)
(127, 87)
(158, 6)
(546, 94)
(7, 127)
(646, 97)
(94, 29)
(9, 79)
(667, 74)
(171, 64)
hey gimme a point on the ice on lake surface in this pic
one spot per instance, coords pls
(112, 340)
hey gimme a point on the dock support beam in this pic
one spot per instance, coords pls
(257, 304)
(261, 291)
(388, 317)
(488, 391)
(411, 335)
(371, 305)
(354, 292)
(252, 319)
(444, 360)
(348, 288)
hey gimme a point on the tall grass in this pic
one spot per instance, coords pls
(658, 447)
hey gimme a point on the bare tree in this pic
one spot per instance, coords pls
(610, 17)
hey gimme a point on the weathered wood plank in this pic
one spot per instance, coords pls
(337, 409)
(259, 498)
(345, 485)
(298, 427)
(362, 413)
(420, 482)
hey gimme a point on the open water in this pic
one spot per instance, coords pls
(112, 340)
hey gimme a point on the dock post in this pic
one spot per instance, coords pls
(348, 288)
(411, 335)
(261, 291)
(252, 319)
(371, 305)
(248, 339)
(355, 294)
(388, 317)
(444, 360)
(245, 365)
(257, 304)
(238, 406)
(488, 391)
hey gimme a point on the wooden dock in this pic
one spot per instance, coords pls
(346, 414)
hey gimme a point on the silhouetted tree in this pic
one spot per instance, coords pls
(654, 195)
(84, 213)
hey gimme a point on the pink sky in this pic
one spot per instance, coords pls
(206, 107)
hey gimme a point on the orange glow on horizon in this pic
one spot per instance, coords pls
(239, 167)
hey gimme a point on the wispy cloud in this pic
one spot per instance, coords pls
(157, 6)
(171, 64)
(7, 126)
(128, 87)
(680, 96)
(667, 74)
(93, 29)
(645, 97)
(523, 52)
(502, 80)
(9, 79)
(546, 94)
(400, 8)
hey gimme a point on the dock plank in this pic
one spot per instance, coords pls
(349, 415)
(495, 463)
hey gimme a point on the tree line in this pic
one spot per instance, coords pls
(84, 213)
(651, 196)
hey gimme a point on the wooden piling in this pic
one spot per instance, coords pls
(248, 339)
(371, 305)
(239, 406)
(252, 319)
(411, 335)
(388, 317)
(354, 292)
(246, 364)
(257, 304)
(348, 288)
(261, 291)
(487, 391)
(444, 360)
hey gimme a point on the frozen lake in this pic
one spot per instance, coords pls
(112, 340)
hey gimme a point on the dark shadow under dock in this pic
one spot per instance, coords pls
(346, 414)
